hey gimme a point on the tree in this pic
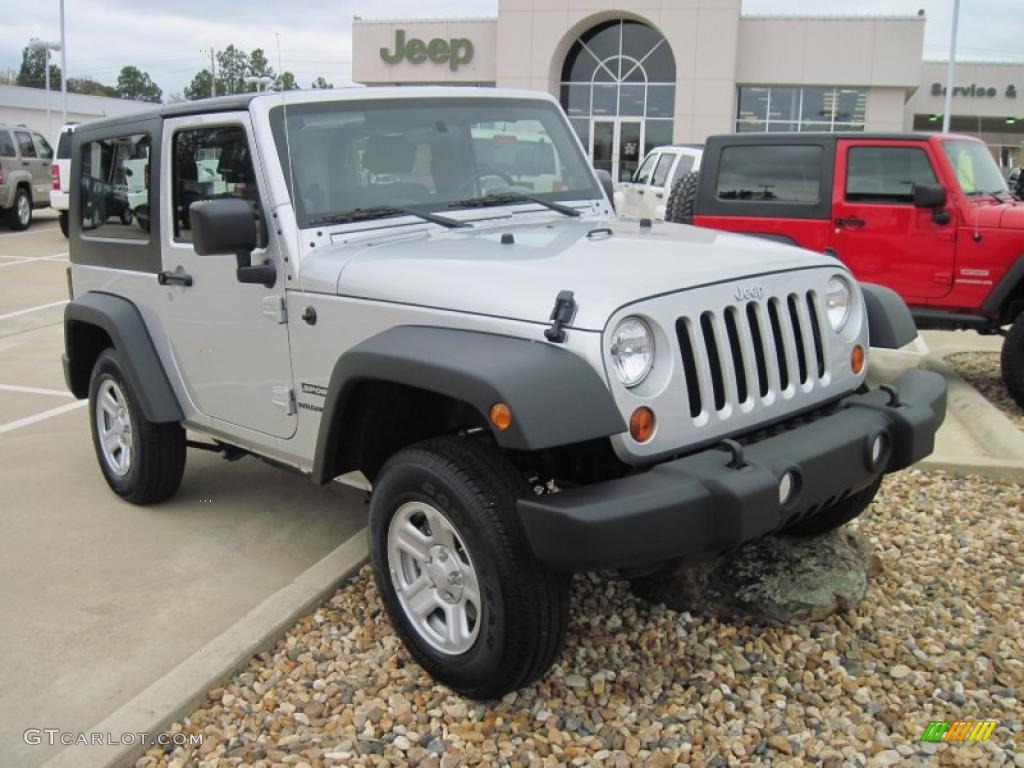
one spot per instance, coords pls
(90, 87)
(321, 83)
(232, 69)
(286, 82)
(33, 69)
(135, 84)
(199, 88)
(259, 67)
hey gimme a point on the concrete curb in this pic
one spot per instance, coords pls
(182, 689)
(1003, 470)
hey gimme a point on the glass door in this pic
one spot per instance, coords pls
(602, 151)
(630, 149)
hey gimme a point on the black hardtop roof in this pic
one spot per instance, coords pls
(238, 101)
(818, 137)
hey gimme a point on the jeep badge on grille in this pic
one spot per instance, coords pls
(749, 293)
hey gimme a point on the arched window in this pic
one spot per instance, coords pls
(619, 89)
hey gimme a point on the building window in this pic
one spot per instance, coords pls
(778, 109)
(619, 88)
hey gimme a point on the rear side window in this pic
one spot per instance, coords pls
(685, 165)
(43, 147)
(661, 171)
(115, 187)
(64, 146)
(7, 145)
(783, 174)
(886, 174)
(28, 149)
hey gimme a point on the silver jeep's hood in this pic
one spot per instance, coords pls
(606, 264)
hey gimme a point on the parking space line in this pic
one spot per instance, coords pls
(27, 259)
(29, 420)
(34, 390)
(33, 309)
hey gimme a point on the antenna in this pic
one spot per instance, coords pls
(291, 165)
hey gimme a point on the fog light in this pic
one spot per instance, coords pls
(641, 424)
(501, 416)
(857, 359)
(877, 450)
(787, 488)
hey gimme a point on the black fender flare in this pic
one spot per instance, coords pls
(890, 323)
(121, 320)
(555, 396)
(1002, 290)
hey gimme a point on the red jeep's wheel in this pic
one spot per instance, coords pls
(1011, 360)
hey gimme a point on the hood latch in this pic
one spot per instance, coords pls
(561, 315)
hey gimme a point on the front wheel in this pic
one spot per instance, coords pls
(463, 591)
(63, 219)
(1011, 360)
(143, 462)
(836, 515)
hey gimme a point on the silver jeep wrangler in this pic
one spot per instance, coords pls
(430, 286)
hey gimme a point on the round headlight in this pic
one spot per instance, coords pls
(632, 350)
(838, 298)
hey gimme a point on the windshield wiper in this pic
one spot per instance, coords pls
(506, 198)
(383, 211)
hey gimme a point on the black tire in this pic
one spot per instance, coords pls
(1011, 360)
(839, 514)
(14, 219)
(524, 606)
(157, 461)
(126, 216)
(682, 199)
(63, 220)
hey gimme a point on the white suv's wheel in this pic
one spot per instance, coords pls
(472, 604)
(142, 461)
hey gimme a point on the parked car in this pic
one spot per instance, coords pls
(25, 180)
(1016, 182)
(646, 195)
(928, 215)
(532, 385)
(61, 176)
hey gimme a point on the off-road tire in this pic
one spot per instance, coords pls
(682, 199)
(14, 220)
(1011, 360)
(63, 220)
(158, 460)
(524, 605)
(836, 515)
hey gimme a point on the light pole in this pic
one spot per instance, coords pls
(950, 69)
(262, 83)
(63, 71)
(46, 47)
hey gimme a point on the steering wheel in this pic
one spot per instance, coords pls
(479, 176)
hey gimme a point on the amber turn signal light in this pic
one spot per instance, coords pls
(857, 359)
(641, 424)
(501, 416)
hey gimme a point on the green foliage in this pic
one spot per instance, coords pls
(286, 82)
(321, 83)
(135, 84)
(199, 88)
(33, 73)
(90, 87)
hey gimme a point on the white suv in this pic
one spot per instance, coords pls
(646, 194)
(61, 174)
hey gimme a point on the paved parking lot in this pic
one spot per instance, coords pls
(102, 598)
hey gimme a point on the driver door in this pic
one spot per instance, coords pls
(229, 340)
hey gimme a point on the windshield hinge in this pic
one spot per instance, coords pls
(283, 398)
(274, 307)
(561, 315)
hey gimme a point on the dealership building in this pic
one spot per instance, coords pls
(641, 73)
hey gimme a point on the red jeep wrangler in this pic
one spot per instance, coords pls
(928, 215)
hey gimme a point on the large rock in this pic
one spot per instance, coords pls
(777, 580)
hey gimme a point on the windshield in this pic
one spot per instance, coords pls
(423, 154)
(976, 171)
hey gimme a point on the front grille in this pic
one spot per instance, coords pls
(767, 349)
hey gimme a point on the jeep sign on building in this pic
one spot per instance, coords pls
(637, 74)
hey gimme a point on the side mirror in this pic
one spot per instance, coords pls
(928, 196)
(228, 226)
(607, 184)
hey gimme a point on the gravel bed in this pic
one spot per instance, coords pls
(938, 637)
(981, 371)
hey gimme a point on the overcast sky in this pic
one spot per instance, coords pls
(166, 39)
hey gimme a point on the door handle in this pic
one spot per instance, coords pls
(24, 162)
(178, 277)
(851, 222)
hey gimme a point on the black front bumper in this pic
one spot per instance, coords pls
(693, 508)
